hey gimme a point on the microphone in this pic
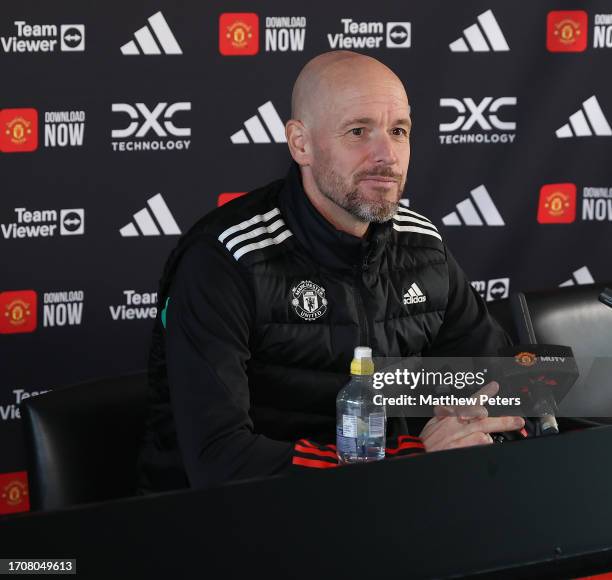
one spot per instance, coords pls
(541, 375)
(546, 410)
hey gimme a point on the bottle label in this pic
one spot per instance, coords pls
(346, 444)
(377, 424)
(349, 425)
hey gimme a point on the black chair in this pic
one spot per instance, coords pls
(82, 441)
(500, 310)
(573, 316)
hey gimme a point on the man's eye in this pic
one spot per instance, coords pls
(400, 131)
(357, 131)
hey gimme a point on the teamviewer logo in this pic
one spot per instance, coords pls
(398, 34)
(72, 222)
(72, 37)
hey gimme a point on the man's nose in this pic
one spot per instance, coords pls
(383, 151)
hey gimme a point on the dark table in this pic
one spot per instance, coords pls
(539, 508)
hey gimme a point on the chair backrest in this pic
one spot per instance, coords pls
(500, 310)
(571, 316)
(83, 441)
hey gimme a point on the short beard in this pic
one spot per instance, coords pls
(348, 197)
(368, 211)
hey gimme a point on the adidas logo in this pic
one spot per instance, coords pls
(255, 128)
(476, 40)
(147, 225)
(466, 211)
(414, 295)
(146, 40)
(580, 276)
(578, 125)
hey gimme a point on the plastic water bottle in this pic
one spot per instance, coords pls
(361, 425)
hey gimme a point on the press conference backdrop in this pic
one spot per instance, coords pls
(121, 124)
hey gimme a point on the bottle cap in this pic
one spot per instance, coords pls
(362, 363)
(362, 352)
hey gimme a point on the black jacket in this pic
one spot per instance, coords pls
(263, 302)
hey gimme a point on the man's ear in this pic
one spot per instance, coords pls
(298, 141)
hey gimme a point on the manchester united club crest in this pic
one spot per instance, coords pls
(525, 359)
(308, 300)
(14, 492)
(18, 130)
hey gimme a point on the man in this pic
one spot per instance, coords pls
(266, 297)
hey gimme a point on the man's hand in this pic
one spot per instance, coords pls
(454, 427)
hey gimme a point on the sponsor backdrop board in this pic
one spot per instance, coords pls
(119, 127)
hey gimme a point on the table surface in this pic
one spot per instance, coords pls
(542, 505)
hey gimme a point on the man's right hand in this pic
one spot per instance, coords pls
(455, 427)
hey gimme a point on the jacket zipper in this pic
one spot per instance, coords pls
(364, 332)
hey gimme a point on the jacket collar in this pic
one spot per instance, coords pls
(327, 245)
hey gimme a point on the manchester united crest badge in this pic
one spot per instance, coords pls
(308, 300)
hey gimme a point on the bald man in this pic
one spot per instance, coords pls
(264, 299)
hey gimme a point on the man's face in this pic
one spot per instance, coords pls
(361, 150)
